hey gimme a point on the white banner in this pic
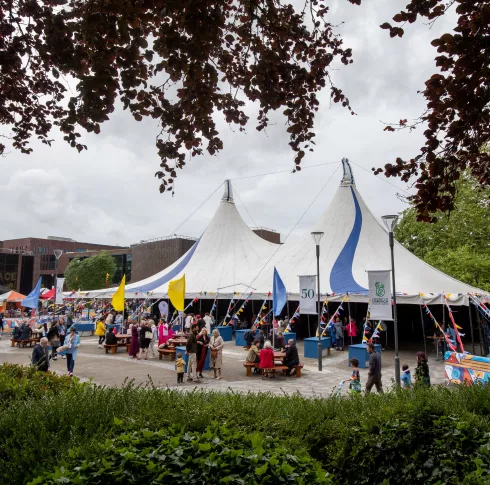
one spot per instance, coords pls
(380, 295)
(59, 291)
(307, 295)
(163, 307)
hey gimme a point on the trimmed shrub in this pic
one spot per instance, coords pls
(219, 455)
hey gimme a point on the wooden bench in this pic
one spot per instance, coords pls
(112, 348)
(283, 368)
(23, 343)
(170, 352)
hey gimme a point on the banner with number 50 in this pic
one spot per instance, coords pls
(307, 295)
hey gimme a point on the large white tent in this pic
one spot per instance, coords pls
(230, 258)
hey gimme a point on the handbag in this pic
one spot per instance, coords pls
(214, 353)
(148, 335)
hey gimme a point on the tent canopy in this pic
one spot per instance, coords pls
(11, 296)
(230, 259)
(48, 294)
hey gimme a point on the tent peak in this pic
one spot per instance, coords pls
(348, 177)
(228, 192)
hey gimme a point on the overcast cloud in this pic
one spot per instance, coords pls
(109, 195)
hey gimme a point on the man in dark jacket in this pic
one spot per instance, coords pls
(26, 332)
(40, 355)
(374, 372)
(191, 350)
(110, 338)
(292, 358)
(250, 336)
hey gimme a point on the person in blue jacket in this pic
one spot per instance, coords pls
(72, 343)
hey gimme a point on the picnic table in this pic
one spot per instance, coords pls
(176, 341)
(123, 338)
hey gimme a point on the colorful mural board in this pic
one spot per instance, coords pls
(466, 368)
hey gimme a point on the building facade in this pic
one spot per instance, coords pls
(16, 269)
(44, 260)
(150, 257)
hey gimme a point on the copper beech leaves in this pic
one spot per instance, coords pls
(176, 61)
(458, 106)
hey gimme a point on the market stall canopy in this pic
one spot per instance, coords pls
(48, 294)
(11, 296)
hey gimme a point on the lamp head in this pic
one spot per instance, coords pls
(390, 222)
(317, 236)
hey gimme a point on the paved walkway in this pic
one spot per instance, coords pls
(113, 370)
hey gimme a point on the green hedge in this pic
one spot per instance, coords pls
(427, 436)
(219, 455)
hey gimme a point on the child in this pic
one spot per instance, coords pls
(406, 377)
(355, 385)
(180, 367)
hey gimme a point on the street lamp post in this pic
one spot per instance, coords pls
(317, 236)
(390, 223)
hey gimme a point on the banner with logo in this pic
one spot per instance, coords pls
(59, 291)
(307, 295)
(380, 295)
(163, 307)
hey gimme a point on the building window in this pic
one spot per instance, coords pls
(80, 250)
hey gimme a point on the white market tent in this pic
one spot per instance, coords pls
(230, 258)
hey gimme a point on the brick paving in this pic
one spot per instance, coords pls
(113, 370)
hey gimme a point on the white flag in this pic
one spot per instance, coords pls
(59, 291)
(163, 307)
(380, 295)
(307, 295)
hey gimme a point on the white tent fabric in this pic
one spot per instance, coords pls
(353, 243)
(220, 261)
(230, 258)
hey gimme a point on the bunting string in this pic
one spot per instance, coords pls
(456, 327)
(449, 342)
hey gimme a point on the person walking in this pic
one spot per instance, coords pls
(422, 377)
(180, 368)
(374, 372)
(406, 377)
(208, 321)
(40, 356)
(355, 378)
(216, 345)
(145, 339)
(72, 343)
(191, 350)
(154, 338)
(54, 339)
(202, 350)
(62, 334)
(339, 334)
(100, 332)
(134, 347)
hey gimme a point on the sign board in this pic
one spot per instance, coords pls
(307, 295)
(380, 295)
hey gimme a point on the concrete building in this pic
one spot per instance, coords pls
(16, 269)
(44, 261)
(153, 255)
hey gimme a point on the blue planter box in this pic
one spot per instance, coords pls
(226, 333)
(240, 338)
(84, 327)
(176, 327)
(360, 353)
(207, 364)
(311, 346)
(288, 335)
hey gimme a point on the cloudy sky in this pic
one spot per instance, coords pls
(108, 194)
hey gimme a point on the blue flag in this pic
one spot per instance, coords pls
(279, 295)
(32, 299)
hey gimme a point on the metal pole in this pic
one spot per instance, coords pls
(471, 328)
(348, 309)
(481, 333)
(309, 329)
(319, 307)
(423, 329)
(395, 320)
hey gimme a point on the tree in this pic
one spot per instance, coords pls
(90, 273)
(457, 117)
(178, 61)
(458, 243)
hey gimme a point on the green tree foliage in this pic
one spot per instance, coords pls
(90, 273)
(458, 243)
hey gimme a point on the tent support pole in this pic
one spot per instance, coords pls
(423, 329)
(348, 309)
(309, 329)
(478, 321)
(471, 328)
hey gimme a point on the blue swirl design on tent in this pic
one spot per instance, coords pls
(341, 277)
(168, 276)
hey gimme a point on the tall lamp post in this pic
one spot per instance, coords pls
(390, 223)
(317, 236)
(57, 255)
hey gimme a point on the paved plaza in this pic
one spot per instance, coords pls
(113, 370)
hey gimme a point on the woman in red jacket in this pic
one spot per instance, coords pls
(267, 359)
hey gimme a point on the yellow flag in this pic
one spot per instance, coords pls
(176, 293)
(118, 298)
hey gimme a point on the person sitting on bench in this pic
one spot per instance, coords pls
(292, 358)
(16, 333)
(110, 338)
(253, 355)
(26, 332)
(267, 359)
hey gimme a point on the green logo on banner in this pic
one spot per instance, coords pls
(380, 289)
